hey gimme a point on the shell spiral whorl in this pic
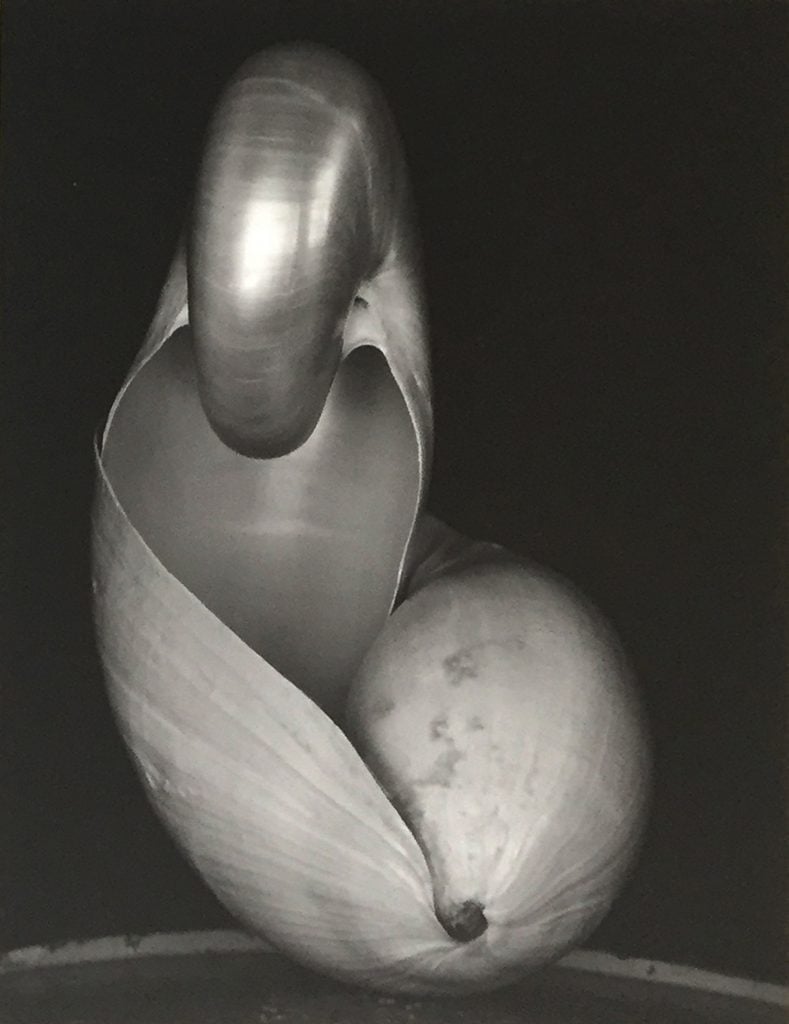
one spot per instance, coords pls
(301, 198)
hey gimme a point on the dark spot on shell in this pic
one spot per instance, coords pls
(438, 727)
(381, 707)
(461, 665)
(475, 724)
(443, 768)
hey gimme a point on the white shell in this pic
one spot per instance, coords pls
(235, 598)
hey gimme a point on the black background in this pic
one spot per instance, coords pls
(600, 188)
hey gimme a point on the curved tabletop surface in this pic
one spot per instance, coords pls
(262, 988)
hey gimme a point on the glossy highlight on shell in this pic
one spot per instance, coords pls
(409, 760)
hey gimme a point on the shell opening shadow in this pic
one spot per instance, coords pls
(463, 922)
(297, 555)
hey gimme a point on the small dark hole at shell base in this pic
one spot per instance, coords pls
(463, 922)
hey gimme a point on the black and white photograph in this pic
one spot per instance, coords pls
(395, 552)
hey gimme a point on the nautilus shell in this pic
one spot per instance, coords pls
(274, 605)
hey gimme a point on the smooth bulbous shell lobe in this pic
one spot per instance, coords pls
(495, 709)
(259, 533)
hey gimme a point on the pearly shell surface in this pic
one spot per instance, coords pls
(236, 598)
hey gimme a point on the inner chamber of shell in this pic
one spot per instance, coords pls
(246, 565)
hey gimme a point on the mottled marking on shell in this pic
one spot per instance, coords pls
(461, 665)
(475, 724)
(381, 707)
(438, 727)
(443, 770)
